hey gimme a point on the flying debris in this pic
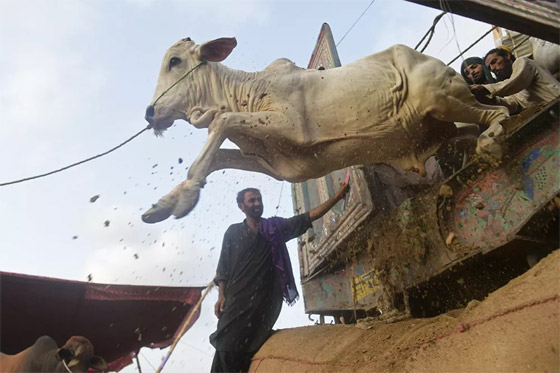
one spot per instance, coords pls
(94, 198)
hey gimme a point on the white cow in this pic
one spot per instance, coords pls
(295, 124)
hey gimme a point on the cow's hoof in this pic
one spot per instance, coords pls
(490, 151)
(187, 201)
(157, 213)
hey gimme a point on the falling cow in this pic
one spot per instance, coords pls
(294, 124)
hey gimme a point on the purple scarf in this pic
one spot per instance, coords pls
(271, 229)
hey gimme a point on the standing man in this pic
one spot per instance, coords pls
(254, 274)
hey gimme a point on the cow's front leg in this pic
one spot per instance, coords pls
(489, 145)
(201, 117)
(167, 204)
(182, 199)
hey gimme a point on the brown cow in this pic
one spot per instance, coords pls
(45, 356)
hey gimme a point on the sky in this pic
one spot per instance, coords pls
(76, 77)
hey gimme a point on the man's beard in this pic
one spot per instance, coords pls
(254, 212)
(257, 211)
(504, 73)
(500, 76)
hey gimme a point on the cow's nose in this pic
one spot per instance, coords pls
(150, 113)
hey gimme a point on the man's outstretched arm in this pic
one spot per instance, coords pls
(322, 209)
(521, 77)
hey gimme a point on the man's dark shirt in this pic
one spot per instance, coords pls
(253, 294)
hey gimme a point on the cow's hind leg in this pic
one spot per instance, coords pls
(182, 199)
(431, 134)
(459, 105)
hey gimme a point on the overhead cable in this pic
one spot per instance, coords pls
(430, 32)
(445, 6)
(472, 45)
(354, 24)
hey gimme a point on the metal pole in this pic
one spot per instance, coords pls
(193, 311)
(138, 364)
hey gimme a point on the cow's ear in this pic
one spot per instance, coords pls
(98, 363)
(216, 50)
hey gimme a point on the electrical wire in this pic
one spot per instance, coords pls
(430, 32)
(279, 198)
(445, 6)
(150, 364)
(354, 24)
(472, 45)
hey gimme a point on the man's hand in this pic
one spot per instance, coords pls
(482, 95)
(219, 306)
(322, 209)
(344, 189)
(479, 90)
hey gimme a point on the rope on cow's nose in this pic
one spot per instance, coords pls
(110, 150)
(77, 163)
(177, 82)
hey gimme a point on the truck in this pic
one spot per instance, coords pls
(421, 249)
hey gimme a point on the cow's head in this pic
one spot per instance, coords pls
(78, 355)
(178, 91)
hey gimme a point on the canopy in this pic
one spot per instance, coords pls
(117, 319)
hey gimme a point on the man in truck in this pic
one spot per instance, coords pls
(474, 71)
(254, 274)
(521, 82)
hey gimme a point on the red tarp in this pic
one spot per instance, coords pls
(117, 319)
